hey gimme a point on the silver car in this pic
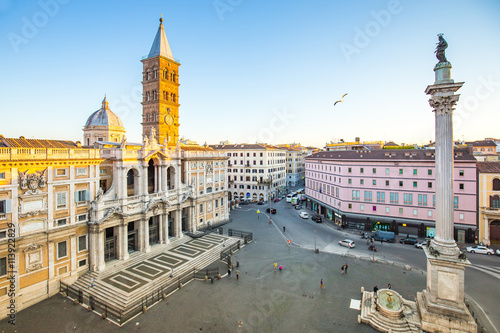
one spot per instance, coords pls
(347, 243)
(480, 249)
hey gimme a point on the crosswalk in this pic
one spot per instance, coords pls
(491, 270)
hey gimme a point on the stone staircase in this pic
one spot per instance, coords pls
(121, 299)
(409, 322)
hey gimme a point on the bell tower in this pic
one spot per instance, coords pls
(160, 91)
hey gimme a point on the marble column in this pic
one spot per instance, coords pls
(144, 236)
(178, 223)
(165, 228)
(123, 242)
(101, 264)
(486, 228)
(443, 101)
(160, 229)
(441, 305)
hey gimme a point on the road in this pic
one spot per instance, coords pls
(481, 278)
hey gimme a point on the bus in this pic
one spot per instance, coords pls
(291, 196)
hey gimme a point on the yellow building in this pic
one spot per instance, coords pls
(489, 202)
(45, 190)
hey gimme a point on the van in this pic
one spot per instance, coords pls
(384, 236)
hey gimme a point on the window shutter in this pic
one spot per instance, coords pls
(87, 195)
(76, 196)
(8, 206)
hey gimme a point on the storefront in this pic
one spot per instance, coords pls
(329, 214)
(383, 226)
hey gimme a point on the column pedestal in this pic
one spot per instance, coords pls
(441, 305)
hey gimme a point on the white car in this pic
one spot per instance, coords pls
(421, 245)
(480, 249)
(347, 243)
(304, 215)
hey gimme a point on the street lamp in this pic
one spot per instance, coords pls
(315, 232)
(269, 197)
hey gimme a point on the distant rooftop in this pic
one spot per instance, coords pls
(22, 142)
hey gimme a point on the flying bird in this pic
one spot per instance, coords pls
(341, 99)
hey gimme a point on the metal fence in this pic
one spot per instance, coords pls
(247, 236)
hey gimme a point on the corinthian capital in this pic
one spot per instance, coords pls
(443, 104)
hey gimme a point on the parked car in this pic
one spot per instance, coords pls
(316, 218)
(421, 245)
(409, 240)
(304, 215)
(271, 210)
(260, 203)
(497, 252)
(480, 249)
(347, 243)
(277, 199)
(297, 207)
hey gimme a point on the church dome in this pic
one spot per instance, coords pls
(104, 117)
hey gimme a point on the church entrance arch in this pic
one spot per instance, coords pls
(495, 232)
(131, 237)
(109, 245)
(154, 227)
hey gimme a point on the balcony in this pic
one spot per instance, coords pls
(13, 154)
(491, 211)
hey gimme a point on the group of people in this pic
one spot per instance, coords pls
(237, 273)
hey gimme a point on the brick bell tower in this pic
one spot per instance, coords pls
(160, 91)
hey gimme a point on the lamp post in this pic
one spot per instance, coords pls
(315, 232)
(269, 197)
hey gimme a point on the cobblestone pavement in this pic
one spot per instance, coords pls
(264, 300)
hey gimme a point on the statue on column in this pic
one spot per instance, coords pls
(442, 45)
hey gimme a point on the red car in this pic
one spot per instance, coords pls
(277, 199)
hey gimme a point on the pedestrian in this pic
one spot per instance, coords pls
(92, 285)
(281, 268)
(229, 272)
(321, 284)
(237, 274)
(388, 286)
(342, 270)
(375, 289)
(283, 228)
(345, 268)
(275, 266)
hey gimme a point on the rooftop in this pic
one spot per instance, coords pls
(488, 167)
(461, 154)
(22, 142)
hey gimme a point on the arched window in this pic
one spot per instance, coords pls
(496, 184)
(130, 183)
(494, 201)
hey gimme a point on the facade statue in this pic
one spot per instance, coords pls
(441, 46)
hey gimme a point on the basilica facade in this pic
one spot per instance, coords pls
(67, 207)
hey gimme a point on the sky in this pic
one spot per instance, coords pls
(251, 71)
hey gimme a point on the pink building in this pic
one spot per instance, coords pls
(391, 190)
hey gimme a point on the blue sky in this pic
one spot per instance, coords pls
(251, 70)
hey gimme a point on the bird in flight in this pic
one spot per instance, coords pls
(341, 99)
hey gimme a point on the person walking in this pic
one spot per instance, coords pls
(388, 286)
(275, 265)
(237, 274)
(283, 228)
(345, 268)
(229, 272)
(321, 284)
(92, 285)
(375, 289)
(342, 270)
